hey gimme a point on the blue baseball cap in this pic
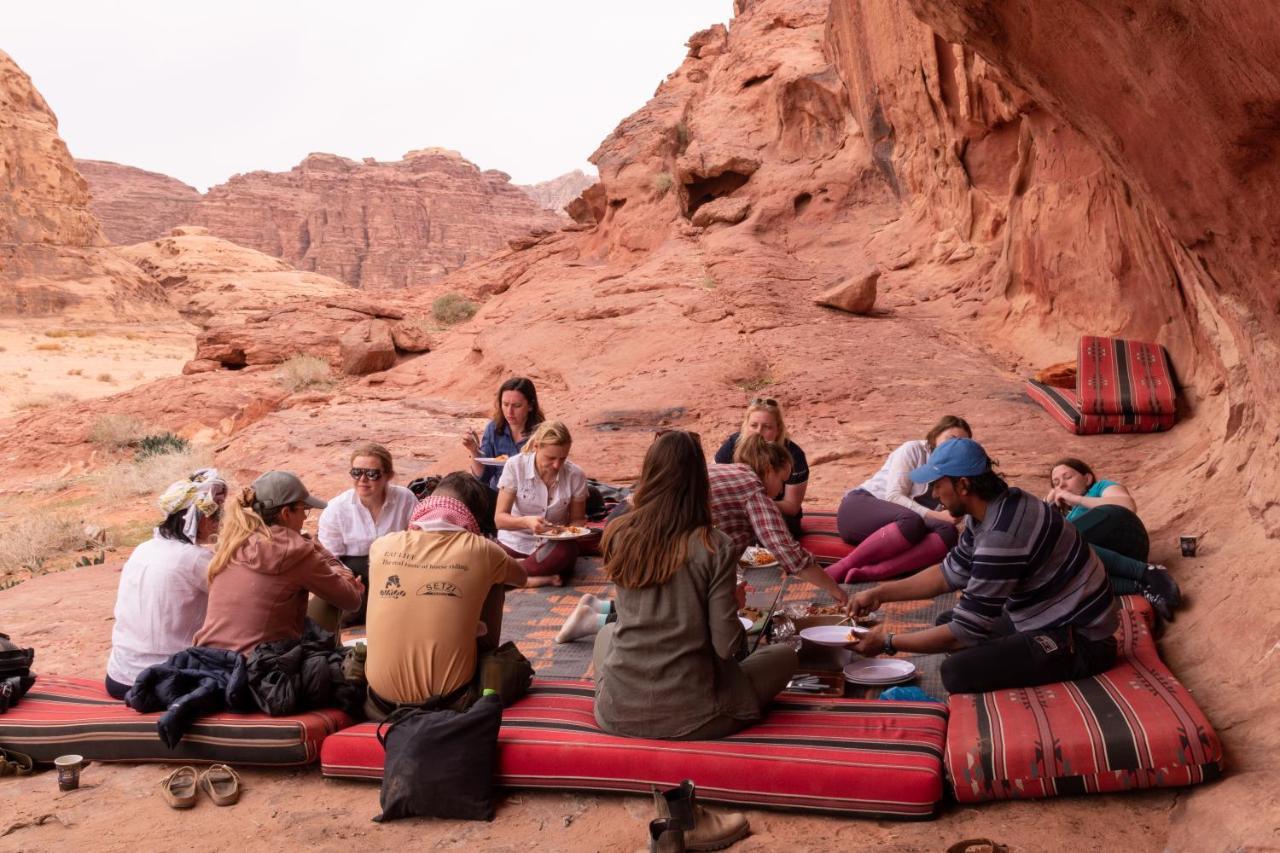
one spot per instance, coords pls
(958, 457)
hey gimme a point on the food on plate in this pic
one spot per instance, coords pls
(757, 557)
(751, 613)
(501, 458)
(566, 530)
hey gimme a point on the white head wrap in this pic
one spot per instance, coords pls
(197, 495)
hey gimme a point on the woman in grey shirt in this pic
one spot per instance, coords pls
(667, 667)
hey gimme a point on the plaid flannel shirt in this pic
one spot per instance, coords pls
(741, 509)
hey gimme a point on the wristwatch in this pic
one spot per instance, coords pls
(888, 648)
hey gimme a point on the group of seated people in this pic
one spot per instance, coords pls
(428, 577)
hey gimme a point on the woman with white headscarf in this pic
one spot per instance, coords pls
(164, 586)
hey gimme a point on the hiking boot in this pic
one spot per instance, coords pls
(1160, 604)
(1158, 580)
(665, 836)
(703, 829)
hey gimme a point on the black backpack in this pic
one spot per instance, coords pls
(15, 672)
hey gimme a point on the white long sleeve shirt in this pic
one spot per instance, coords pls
(347, 529)
(893, 482)
(161, 602)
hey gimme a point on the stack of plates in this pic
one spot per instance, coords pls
(877, 672)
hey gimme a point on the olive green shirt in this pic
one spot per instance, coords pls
(670, 667)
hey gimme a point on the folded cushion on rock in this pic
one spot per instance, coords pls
(75, 715)
(1133, 726)
(818, 536)
(842, 756)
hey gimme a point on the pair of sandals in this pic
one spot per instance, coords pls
(15, 763)
(219, 781)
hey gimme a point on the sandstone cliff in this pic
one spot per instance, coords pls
(554, 194)
(134, 205)
(374, 224)
(52, 255)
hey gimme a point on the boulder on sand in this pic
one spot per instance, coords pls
(367, 347)
(856, 294)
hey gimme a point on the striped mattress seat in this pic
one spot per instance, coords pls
(1134, 726)
(75, 715)
(841, 756)
(818, 536)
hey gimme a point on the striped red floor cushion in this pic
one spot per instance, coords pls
(1121, 386)
(1134, 726)
(845, 756)
(819, 537)
(75, 715)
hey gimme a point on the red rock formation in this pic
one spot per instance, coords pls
(52, 258)
(213, 281)
(134, 205)
(374, 224)
(554, 194)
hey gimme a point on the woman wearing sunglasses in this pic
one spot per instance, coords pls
(372, 507)
(764, 418)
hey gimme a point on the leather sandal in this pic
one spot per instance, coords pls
(15, 763)
(179, 787)
(222, 784)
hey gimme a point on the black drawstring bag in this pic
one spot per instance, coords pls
(15, 672)
(440, 763)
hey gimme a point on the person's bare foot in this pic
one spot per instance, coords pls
(584, 621)
(543, 580)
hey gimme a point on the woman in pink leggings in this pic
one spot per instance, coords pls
(893, 522)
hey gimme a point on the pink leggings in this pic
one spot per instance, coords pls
(549, 558)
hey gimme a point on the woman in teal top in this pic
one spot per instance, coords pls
(1106, 515)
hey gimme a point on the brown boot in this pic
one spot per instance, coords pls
(703, 830)
(665, 836)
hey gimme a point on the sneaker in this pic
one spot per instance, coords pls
(1158, 580)
(1159, 603)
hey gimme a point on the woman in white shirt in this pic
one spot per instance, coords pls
(164, 585)
(540, 488)
(372, 507)
(895, 523)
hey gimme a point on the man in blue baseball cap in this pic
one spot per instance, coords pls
(1035, 605)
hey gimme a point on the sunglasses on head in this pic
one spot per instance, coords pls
(373, 475)
(764, 401)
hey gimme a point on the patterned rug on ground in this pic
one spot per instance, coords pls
(532, 617)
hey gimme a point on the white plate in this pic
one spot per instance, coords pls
(746, 623)
(358, 641)
(832, 635)
(490, 461)
(877, 671)
(559, 536)
(747, 561)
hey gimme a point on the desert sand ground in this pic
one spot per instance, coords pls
(46, 361)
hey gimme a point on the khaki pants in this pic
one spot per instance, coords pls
(768, 668)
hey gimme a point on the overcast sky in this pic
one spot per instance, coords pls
(203, 91)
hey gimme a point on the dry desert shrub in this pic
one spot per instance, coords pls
(29, 541)
(150, 475)
(452, 308)
(117, 431)
(662, 183)
(106, 377)
(71, 333)
(49, 346)
(302, 372)
(41, 401)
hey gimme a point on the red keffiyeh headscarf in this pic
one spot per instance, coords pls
(439, 510)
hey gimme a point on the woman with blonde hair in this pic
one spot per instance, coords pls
(897, 525)
(539, 489)
(372, 507)
(666, 668)
(265, 566)
(764, 418)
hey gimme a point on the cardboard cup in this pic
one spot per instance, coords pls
(68, 771)
(1188, 545)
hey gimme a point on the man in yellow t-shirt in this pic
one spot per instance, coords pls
(430, 587)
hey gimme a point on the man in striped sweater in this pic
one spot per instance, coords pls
(1035, 604)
